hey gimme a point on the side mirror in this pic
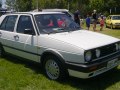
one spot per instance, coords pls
(29, 31)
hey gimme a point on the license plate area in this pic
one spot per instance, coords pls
(112, 62)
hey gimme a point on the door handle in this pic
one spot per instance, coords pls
(16, 37)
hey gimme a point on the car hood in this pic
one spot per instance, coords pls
(83, 39)
(116, 21)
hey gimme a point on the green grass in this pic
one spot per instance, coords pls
(17, 74)
(108, 31)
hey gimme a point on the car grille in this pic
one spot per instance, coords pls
(109, 49)
(105, 50)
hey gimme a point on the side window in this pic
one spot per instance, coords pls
(8, 23)
(25, 25)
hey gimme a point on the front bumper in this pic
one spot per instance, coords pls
(116, 25)
(94, 68)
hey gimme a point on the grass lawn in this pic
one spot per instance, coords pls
(16, 74)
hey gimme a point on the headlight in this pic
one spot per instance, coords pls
(88, 56)
(97, 53)
(117, 46)
(116, 23)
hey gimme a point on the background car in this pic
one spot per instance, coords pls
(113, 21)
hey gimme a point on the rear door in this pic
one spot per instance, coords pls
(7, 32)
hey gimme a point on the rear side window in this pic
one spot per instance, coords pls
(8, 23)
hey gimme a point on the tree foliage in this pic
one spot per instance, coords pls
(23, 5)
(85, 6)
(10, 4)
(19, 5)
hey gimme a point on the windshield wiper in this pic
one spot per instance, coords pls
(44, 30)
(54, 30)
(58, 29)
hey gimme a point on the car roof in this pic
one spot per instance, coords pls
(55, 10)
(34, 13)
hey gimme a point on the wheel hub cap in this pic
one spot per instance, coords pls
(52, 69)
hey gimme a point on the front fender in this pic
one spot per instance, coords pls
(53, 52)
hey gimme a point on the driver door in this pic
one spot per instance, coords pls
(26, 43)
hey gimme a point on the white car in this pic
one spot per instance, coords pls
(67, 12)
(58, 43)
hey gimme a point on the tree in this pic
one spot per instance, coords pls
(114, 5)
(19, 5)
(97, 4)
(11, 4)
(24, 5)
(85, 6)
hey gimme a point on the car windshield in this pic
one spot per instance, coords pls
(55, 23)
(116, 17)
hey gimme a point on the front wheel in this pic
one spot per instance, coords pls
(53, 68)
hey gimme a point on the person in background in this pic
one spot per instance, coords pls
(77, 17)
(101, 23)
(88, 22)
(94, 16)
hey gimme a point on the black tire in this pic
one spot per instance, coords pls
(2, 52)
(53, 68)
